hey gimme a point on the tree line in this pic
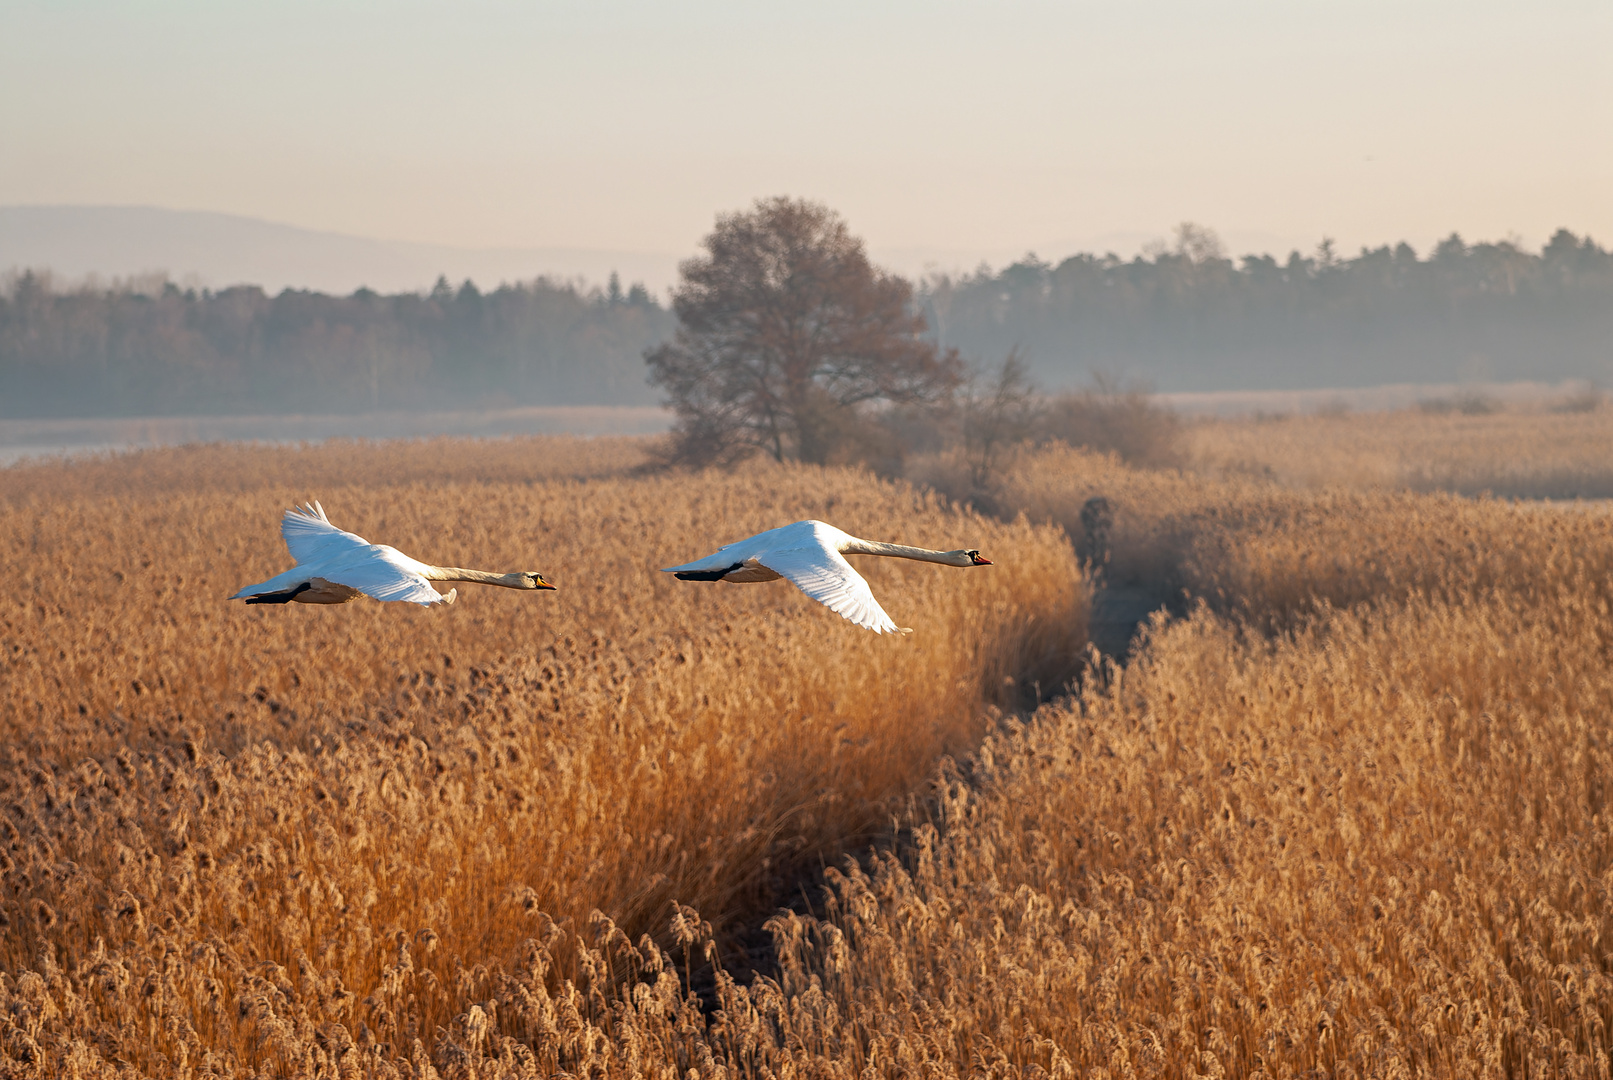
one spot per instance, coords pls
(1180, 316)
(1187, 317)
(152, 348)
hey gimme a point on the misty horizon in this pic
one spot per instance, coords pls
(144, 247)
(1184, 317)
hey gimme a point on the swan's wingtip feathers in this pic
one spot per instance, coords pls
(310, 509)
(450, 596)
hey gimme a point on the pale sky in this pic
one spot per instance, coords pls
(942, 131)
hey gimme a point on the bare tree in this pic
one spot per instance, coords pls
(784, 330)
(1198, 243)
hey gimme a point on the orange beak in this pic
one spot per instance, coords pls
(981, 560)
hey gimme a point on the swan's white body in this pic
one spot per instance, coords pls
(334, 567)
(811, 555)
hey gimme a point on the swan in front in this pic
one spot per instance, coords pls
(334, 567)
(811, 555)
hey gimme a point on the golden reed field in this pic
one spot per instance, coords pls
(1343, 815)
(1520, 452)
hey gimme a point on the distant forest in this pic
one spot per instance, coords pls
(1182, 317)
(159, 350)
(1187, 317)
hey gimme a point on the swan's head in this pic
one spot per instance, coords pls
(975, 559)
(528, 579)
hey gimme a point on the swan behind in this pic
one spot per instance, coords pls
(335, 567)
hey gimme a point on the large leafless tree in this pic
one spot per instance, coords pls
(784, 329)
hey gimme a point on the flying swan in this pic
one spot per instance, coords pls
(809, 553)
(334, 567)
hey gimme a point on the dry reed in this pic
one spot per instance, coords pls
(1345, 819)
(229, 829)
(1520, 453)
(1375, 847)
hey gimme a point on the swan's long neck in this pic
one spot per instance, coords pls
(854, 546)
(455, 573)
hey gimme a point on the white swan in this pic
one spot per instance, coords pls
(809, 553)
(334, 567)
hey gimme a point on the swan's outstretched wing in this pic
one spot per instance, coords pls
(383, 574)
(823, 574)
(310, 537)
(799, 534)
(325, 553)
(727, 555)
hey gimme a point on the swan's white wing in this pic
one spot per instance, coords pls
(823, 574)
(799, 534)
(310, 536)
(383, 574)
(724, 557)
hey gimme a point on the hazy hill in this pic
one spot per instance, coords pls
(220, 250)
